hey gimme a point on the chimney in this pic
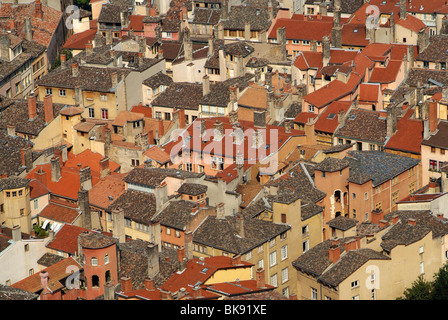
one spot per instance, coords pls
(5, 43)
(149, 284)
(310, 132)
(48, 108)
(165, 295)
(181, 255)
(38, 12)
(288, 126)
(261, 283)
(89, 48)
(222, 64)
(233, 117)
(107, 142)
(391, 121)
(55, 169)
(247, 30)
(11, 130)
(220, 211)
(124, 18)
(161, 195)
(32, 106)
(218, 130)
(28, 29)
(16, 233)
(395, 218)
(27, 158)
(153, 260)
(85, 178)
(44, 279)
(205, 85)
(334, 253)
(432, 116)
(236, 260)
(160, 54)
(351, 245)
(114, 79)
(188, 45)
(140, 58)
(118, 228)
(240, 224)
(41, 176)
(210, 46)
(326, 50)
(75, 69)
(382, 224)
(260, 119)
(126, 284)
(281, 39)
(224, 9)
(84, 205)
(412, 222)
(104, 167)
(63, 58)
(403, 10)
(377, 215)
(109, 291)
(410, 55)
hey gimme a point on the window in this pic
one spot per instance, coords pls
(104, 114)
(355, 284)
(411, 188)
(284, 252)
(285, 292)
(128, 222)
(274, 280)
(135, 162)
(158, 115)
(217, 163)
(94, 261)
(311, 109)
(95, 281)
(36, 204)
(306, 245)
(167, 116)
(168, 231)
(313, 294)
(273, 258)
(394, 198)
(354, 195)
(433, 150)
(422, 267)
(91, 113)
(103, 97)
(420, 250)
(373, 294)
(378, 206)
(31, 272)
(49, 92)
(285, 275)
(107, 276)
(189, 167)
(355, 297)
(305, 230)
(62, 93)
(106, 259)
(26, 247)
(177, 234)
(22, 212)
(283, 217)
(8, 194)
(261, 264)
(366, 196)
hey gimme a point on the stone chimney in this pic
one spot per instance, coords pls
(179, 117)
(260, 119)
(55, 169)
(233, 117)
(336, 31)
(161, 195)
(220, 211)
(27, 158)
(89, 48)
(222, 64)
(240, 225)
(44, 279)
(63, 58)
(188, 45)
(5, 43)
(152, 251)
(109, 293)
(140, 58)
(85, 178)
(84, 205)
(75, 69)
(391, 121)
(403, 10)
(181, 255)
(124, 18)
(114, 79)
(104, 167)
(281, 40)
(247, 30)
(28, 29)
(210, 46)
(16, 233)
(118, 226)
(224, 9)
(205, 85)
(218, 130)
(107, 142)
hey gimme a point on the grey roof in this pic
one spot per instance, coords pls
(342, 223)
(222, 233)
(10, 293)
(157, 80)
(13, 183)
(332, 164)
(178, 214)
(257, 16)
(192, 189)
(377, 166)
(152, 177)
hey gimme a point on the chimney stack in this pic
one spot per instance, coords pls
(261, 283)
(114, 79)
(32, 106)
(84, 205)
(55, 169)
(104, 167)
(126, 284)
(38, 12)
(403, 9)
(89, 48)
(28, 29)
(205, 85)
(149, 284)
(260, 119)
(432, 116)
(63, 58)
(75, 69)
(48, 108)
(153, 260)
(412, 222)
(334, 253)
(188, 45)
(240, 224)
(16, 233)
(85, 178)
(118, 226)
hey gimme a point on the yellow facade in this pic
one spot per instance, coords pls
(15, 208)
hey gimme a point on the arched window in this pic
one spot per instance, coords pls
(107, 276)
(94, 261)
(95, 281)
(106, 259)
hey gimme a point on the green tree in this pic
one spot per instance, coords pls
(57, 61)
(440, 284)
(420, 290)
(83, 4)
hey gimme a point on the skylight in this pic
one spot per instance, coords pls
(331, 116)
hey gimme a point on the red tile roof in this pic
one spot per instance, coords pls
(386, 74)
(56, 272)
(66, 239)
(106, 191)
(236, 288)
(59, 212)
(369, 92)
(79, 40)
(43, 29)
(328, 119)
(146, 111)
(411, 23)
(303, 117)
(198, 271)
(308, 60)
(303, 30)
(408, 136)
(37, 189)
(88, 158)
(135, 23)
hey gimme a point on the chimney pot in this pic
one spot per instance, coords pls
(48, 108)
